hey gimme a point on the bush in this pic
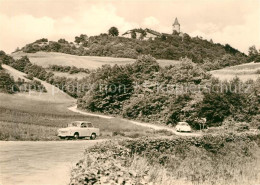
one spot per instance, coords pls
(29, 76)
(21, 63)
(7, 84)
(202, 160)
(241, 127)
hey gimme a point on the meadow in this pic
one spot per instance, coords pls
(45, 59)
(25, 118)
(244, 72)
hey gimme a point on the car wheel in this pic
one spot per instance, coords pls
(93, 136)
(76, 135)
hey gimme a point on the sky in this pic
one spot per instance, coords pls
(236, 22)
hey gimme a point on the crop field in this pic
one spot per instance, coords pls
(244, 72)
(45, 59)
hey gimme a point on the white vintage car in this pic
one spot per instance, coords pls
(78, 129)
(183, 127)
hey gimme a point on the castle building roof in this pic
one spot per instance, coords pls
(176, 22)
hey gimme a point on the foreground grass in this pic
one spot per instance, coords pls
(226, 159)
(39, 119)
(24, 132)
(43, 126)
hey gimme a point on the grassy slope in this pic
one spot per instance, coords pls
(21, 112)
(243, 71)
(91, 62)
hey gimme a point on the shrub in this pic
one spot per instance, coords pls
(242, 127)
(202, 160)
(29, 76)
(21, 63)
(7, 84)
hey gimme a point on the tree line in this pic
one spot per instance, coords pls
(209, 55)
(148, 92)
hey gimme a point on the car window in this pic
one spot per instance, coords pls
(84, 125)
(90, 125)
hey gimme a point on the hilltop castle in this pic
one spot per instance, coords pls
(176, 26)
(145, 34)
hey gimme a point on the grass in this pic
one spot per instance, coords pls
(244, 72)
(174, 162)
(18, 131)
(28, 114)
(49, 111)
(45, 59)
(75, 75)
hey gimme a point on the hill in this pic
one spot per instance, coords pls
(146, 91)
(210, 55)
(36, 116)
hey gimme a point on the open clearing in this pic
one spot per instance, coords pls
(45, 59)
(244, 72)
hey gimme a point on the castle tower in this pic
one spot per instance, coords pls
(176, 25)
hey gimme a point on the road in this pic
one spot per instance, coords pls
(149, 125)
(39, 162)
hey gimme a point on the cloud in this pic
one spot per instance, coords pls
(23, 29)
(240, 36)
(232, 21)
(19, 30)
(150, 21)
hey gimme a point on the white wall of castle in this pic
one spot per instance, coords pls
(176, 28)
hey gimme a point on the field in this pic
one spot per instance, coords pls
(45, 59)
(243, 71)
(25, 118)
(36, 116)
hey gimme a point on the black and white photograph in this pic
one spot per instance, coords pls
(129, 92)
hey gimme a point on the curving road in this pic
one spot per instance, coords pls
(149, 125)
(39, 162)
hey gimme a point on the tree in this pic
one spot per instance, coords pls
(21, 63)
(215, 107)
(113, 31)
(163, 38)
(7, 84)
(113, 86)
(252, 53)
(133, 35)
(81, 39)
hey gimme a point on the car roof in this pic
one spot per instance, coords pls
(183, 123)
(81, 122)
